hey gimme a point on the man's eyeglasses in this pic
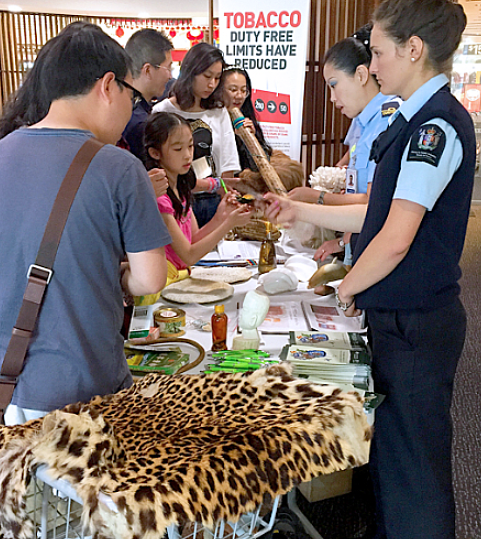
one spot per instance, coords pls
(136, 95)
(169, 69)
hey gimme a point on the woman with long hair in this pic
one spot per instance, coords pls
(197, 97)
(237, 89)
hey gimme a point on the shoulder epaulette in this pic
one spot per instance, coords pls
(389, 108)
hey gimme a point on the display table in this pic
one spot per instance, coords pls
(271, 341)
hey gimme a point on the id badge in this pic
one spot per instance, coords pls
(351, 181)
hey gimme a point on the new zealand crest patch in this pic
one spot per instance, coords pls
(427, 145)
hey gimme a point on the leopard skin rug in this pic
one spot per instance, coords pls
(172, 449)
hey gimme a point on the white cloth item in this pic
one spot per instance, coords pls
(224, 149)
(14, 415)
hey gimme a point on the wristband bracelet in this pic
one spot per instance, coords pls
(214, 184)
(343, 306)
(320, 200)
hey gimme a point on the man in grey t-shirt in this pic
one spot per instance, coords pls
(77, 350)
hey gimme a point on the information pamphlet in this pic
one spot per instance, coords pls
(301, 354)
(329, 317)
(325, 339)
(283, 318)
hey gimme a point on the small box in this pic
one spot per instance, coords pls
(142, 321)
(327, 486)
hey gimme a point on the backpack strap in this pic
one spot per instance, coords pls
(40, 273)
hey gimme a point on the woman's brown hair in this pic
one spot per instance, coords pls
(439, 23)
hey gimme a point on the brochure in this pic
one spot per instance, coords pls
(283, 318)
(321, 316)
(299, 353)
(342, 340)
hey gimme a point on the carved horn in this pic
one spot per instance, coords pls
(266, 170)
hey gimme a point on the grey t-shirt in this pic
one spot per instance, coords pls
(77, 348)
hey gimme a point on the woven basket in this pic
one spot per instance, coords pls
(255, 229)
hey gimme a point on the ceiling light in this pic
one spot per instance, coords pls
(15, 9)
(143, 15)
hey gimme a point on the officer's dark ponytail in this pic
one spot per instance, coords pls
(348, 54)
(439, 23)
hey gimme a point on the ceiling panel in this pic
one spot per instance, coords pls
(119, 8)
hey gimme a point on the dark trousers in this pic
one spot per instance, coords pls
(204, 207)
(415, 354)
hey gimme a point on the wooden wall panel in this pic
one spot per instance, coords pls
(22, 35)
(324, 127)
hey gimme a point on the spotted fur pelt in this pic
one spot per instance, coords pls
(182, 448)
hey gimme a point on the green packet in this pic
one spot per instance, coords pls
(329, 339)
(163, 362)
(299, 353)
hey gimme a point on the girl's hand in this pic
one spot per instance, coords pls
(231, 212)
(226, 205)
(159, 180)
(281, 210)
(326, 249)
(239, 216)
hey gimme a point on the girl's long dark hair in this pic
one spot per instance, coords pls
(247, 108)
(197, 60)
(157, 130)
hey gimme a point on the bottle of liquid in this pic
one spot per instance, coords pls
(267, 254)
(219, 329)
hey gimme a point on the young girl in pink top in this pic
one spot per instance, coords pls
(169, 145)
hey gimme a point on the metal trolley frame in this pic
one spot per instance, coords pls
(56, 511)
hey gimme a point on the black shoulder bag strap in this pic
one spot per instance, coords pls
(40, 273)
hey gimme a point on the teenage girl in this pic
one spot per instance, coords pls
(197, 97)
(169, 145)
(405, 273)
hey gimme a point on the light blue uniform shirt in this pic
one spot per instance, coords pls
(353, 133)
(371, 123)
(420, 181)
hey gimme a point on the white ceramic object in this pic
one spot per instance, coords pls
(302, 266)
(278, 281)
(254, 310)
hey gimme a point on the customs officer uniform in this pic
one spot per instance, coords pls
(364, 130)
(417, 322)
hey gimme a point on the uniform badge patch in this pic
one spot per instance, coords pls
(427, 145)
(389, 108)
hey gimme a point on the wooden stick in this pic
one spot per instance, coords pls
(266, 170)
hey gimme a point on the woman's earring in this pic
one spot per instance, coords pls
(413, 59)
